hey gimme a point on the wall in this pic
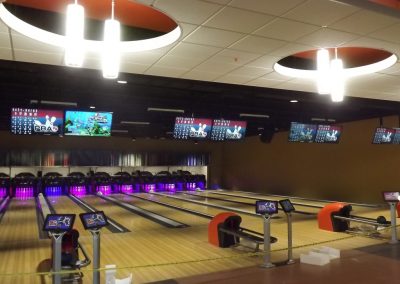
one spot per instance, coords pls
(353, 170)
(9, 141)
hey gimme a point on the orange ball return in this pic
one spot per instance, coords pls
(327, 222)
(213, 226)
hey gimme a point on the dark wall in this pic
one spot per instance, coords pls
(19, 142)
(353, 170)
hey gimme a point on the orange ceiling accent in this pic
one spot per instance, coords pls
(127, 12)
(395, 4)
(351, 56)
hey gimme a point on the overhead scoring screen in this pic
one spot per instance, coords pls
(192, 128)
(228, 130)
(300, 132)
(36, 121)
(384, 135)
(328, 134)
(84, 123)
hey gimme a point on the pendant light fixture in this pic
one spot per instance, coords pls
(323, 80)
(74, 35)
(338, 79)
(111, 44)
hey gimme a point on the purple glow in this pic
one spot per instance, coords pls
(78, 190)
(179, 186)
(149, 187)
(23, 193)
(126, 188)
(170, 187)
(200, 185)
(190, 185)
(104, 189)
(53, 190)
(3, 192)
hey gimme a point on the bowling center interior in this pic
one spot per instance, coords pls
(199, 141)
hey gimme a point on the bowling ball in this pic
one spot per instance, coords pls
(381, 220)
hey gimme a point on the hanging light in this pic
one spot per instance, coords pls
(74, 42)
(323, 80)
(111, 52)
(338, 80)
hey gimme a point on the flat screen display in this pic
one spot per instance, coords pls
(85, 123)
(287, 205)
(192, 128)
(36, 121)
(228, 130)
(300, 132)
(328, 134)
(389, 196)
(59, 222)
(396, 138)
(384, 135)
(266, 207)
(93, 220)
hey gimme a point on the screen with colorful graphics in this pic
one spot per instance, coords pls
(85, 123)
(266, 207)
(59, 222)
(192, 128)
(384, 135)
(328, 134)
(300, 132)
(228, 130)
(93, 220)
(28, 121)
(390, 196)
(396, 138)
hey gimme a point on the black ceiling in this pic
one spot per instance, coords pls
(22, 82)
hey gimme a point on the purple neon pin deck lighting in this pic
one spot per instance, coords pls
(24, 192)
(78, 190)
(104, 189)
(190, 185)
(149, 187)
(3, 192)
(124, 188)
(53, 190)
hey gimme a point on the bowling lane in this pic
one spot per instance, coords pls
(174, 214)
(19, 223)
(126, 218)
(64, 205)
(251, 205)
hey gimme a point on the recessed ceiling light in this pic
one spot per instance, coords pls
(165, 109)
(294, 101)
(254, 115)
(135, 122)
(122, 82)
(92, 107)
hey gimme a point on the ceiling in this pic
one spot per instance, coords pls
(220, 67)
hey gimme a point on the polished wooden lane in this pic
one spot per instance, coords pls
(174, 214)
(21, 250)
(129, 220)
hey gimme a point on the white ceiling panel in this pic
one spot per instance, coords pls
(364, 22)
(276, 8)
(233, 79)
(234, 56)
(263, 82)
(25, 43)
(258, 44)
(214, 37)
(39, 57)
(374, 43)
(191, 50)
(5, 53)
(326, 37)
(238, 20)
(201, 75)
(134, 68)
(145, 57)
(387, 33)
(3, 27)
(253, 72)
(165, 71)
(221, 2)
(321, 12)
(5, 40)
(216, 67)
(289, 49)
(179, 62)
(188, 11)
(285, 29)
(290, 85)
(265, 61)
